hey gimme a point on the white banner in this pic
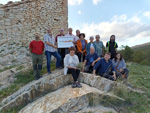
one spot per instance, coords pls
(65, 41)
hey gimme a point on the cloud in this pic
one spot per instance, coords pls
(128, 30)
(79, 12)
(74, 2)
(147, 14)
(95, 2)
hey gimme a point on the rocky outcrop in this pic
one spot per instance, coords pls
(51, 83)
(97, 82)
(36, 89)
(69, 100)
(7, 77)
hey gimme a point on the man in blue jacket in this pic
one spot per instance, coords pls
(105, 67)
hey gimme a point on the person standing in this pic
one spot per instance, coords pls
(90, 44)
(71, 35)
(111, 46)
(61, 51)
(50, 49)
(36, 47)
(81, 47)
(99, 46)
(76, 38)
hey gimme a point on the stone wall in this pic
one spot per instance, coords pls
(20, 20)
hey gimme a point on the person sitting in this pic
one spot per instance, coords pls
(90, 44)
(90, 61)
(120, 66)
(105, 67)
(81, 47)
(70, 66)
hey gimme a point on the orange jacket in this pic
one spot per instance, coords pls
(79, 46)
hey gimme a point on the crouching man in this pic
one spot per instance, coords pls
(36, 48)
(90, 61)
(105, 67)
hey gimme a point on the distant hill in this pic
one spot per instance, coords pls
(145, 46)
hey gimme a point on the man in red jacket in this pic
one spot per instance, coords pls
(36, 48)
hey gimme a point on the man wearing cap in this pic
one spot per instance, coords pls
(61, 51)
(90, 44)
(50, 49)
(36, 47)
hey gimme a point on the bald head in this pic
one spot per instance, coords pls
(92, 50)
(70, 31)
(49, 31)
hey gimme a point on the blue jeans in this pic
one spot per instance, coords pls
(56, 55)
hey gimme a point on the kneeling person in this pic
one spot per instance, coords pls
(105, 67)
(90, 61)
(36, 48)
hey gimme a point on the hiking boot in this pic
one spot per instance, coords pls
(73, 85)
(78, 85)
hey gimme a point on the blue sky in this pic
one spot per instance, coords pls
(129, 20)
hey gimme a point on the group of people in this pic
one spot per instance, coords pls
(109, 64)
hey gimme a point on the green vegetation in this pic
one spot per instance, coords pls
(138, 55)
(6, 68)
(22, 79)
(136, 102)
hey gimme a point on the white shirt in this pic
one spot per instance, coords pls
(51, 40)
(69, 60)
(91, 45)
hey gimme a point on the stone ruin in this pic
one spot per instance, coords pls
(20, 20)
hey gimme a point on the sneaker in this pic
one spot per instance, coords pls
(73, 85)
(78, 85)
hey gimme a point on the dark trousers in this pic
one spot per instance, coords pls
(37, 61)
(61, 52)
(88, 69)
(124, 73)
(80, 56)
(48, 56)
(75, 73)
(108, 75)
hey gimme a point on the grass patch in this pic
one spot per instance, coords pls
(22, 78)
(135, 102)
(6, 68)
(20, 67)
